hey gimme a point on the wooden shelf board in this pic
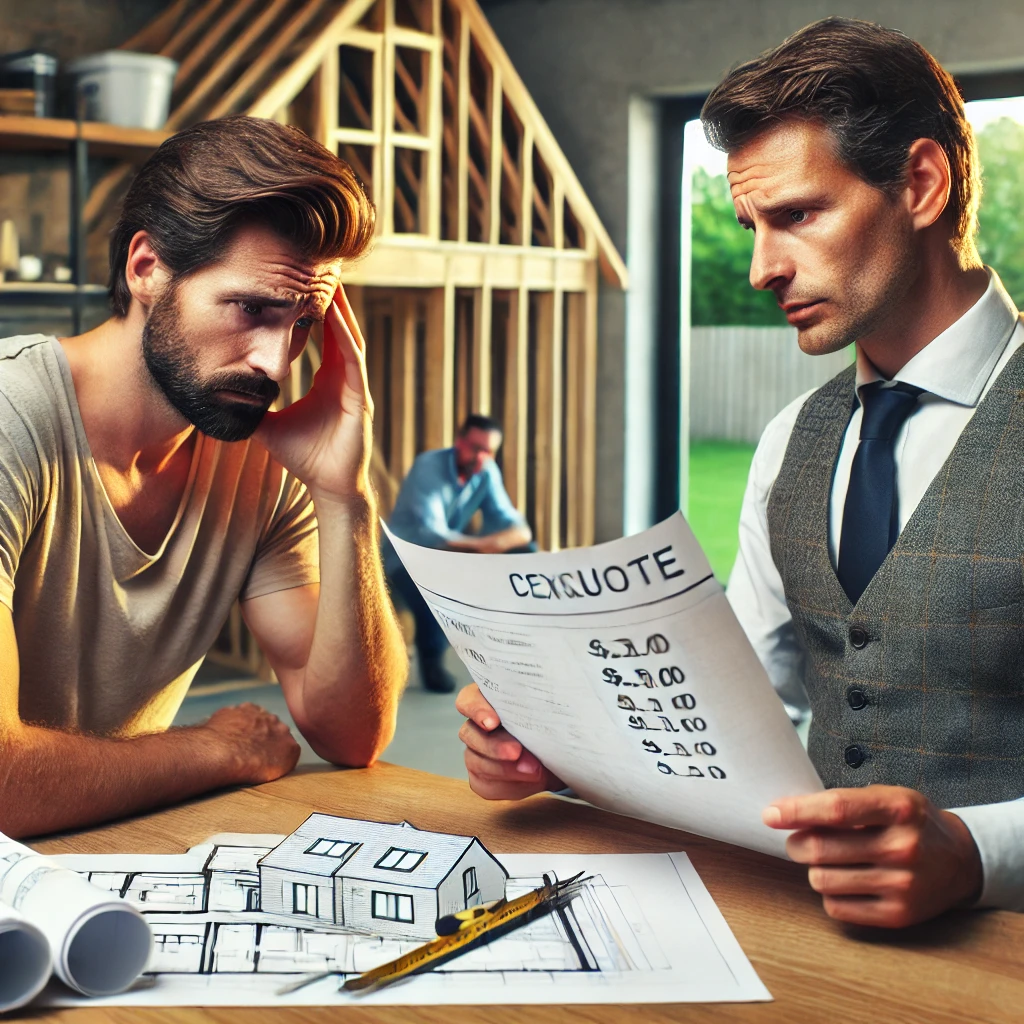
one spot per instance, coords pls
(48, 286)
(113, 140)
(58, 133)
(47, 291)
(35, 132)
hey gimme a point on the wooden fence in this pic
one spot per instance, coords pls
(740, 377)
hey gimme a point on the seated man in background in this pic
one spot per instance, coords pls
(145, 487)
(440, 496)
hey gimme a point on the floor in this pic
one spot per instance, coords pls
(428, 724)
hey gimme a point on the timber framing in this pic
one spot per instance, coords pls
(480, 293)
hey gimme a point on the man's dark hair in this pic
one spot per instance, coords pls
(202, 184)
(478, 421)
(875, 89)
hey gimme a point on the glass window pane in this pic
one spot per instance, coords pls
(404, 908)
(332, 848)
(355, 88)
(414, 14)
(389, 906)
(410, 198)
(360, 159)
(469, 885)
(397, 859)
(412, 90)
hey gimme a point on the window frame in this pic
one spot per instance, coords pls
(394, 900)
(351, 846)
(306, 886)
(420, 856)
(467, 894)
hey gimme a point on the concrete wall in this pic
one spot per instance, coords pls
(71, 28)
(583, 61)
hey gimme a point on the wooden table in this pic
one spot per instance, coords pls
(965, 967)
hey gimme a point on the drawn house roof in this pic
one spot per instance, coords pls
(355, 849)
(235, 858)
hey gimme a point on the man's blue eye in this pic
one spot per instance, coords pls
(798, 216)
(305, 323)
(251, 308)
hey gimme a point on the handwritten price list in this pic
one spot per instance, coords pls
(671, 712)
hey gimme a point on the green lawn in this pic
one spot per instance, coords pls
(718, 477)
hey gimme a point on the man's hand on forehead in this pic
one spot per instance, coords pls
(323, 439)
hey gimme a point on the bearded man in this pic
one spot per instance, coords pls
(145, 487)
(881, 543)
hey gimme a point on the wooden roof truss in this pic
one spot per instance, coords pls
(418, 95)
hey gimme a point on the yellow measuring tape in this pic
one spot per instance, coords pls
(469, 929)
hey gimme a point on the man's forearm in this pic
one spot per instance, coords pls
(492, 543)
(52, 780)
(357, 663)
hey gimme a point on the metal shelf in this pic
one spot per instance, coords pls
(81, 139)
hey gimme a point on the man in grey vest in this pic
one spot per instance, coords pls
(881, 541)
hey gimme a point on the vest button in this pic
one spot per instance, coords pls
(858, 637)
(854, 756)
(857, 698)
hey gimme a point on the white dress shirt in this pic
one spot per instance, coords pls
(956, 370)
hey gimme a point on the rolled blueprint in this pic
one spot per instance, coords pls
(25, 960)
(100, 944)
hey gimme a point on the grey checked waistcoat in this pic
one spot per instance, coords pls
(921, 683)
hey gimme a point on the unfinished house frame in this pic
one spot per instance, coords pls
(480, 294)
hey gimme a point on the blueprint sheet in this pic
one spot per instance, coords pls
(645, 930)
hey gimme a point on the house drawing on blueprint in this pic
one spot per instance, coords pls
(391, 880)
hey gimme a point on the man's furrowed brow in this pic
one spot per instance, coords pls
(276, 302)
(783, 205)
(786, 203)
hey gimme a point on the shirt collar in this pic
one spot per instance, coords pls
(957, 364)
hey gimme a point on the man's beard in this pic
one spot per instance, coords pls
(172, 363)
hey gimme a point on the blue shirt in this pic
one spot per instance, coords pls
(433, 508)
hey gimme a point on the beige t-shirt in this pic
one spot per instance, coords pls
(109, 637)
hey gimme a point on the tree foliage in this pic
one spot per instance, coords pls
(1001, 217)
(720, 292)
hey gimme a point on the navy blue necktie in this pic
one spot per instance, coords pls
(871, 521)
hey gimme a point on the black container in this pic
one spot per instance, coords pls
(32, 69)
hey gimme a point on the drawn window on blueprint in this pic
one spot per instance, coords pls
(400, 860)
(304, 899)
(339, 849)
(470, 887)
(390, 906)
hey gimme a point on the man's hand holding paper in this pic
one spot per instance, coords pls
(881, 855)
(499, 766)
